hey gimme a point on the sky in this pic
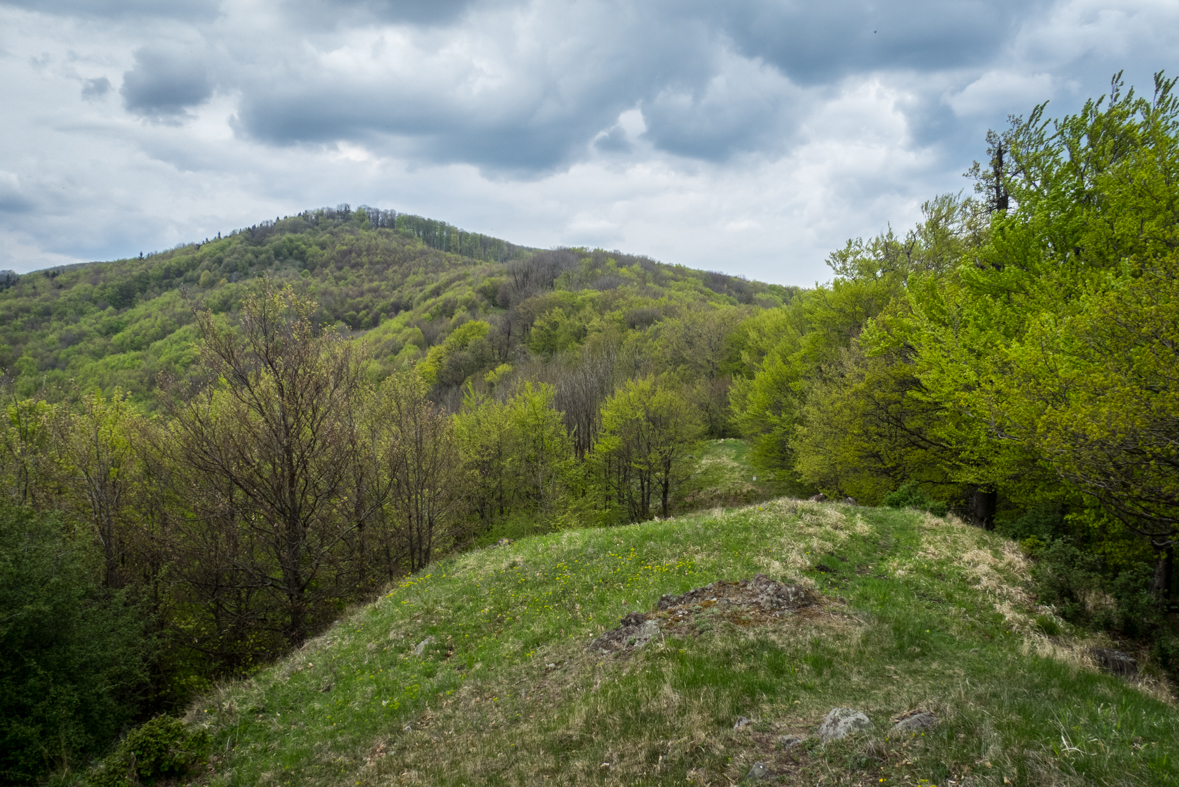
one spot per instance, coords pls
(752, 137)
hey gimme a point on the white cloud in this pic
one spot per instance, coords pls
(996, 91)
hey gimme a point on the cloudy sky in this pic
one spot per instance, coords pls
(748, 136)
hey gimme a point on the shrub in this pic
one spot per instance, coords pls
(1042, 523)
(910, 495)
(1085, 590)
(163, 748)
(73, 657)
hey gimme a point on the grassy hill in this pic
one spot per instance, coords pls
(478, 670)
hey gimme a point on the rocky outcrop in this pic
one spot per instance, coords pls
(841, 722)
(747, 602)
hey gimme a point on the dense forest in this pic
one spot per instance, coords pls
(208, 453)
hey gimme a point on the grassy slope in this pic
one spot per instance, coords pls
(932, 616)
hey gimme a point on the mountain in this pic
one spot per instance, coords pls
(408, 280)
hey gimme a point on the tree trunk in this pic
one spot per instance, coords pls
(1162, 585)
(983, 503)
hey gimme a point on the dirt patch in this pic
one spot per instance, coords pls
(749, 602)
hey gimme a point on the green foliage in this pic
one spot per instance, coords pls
(817, 406)
(125, 322)
(1055, 346)
(25, 437)
(1042, 522)
(649, 439)
(402, 281)
(910, 495)
(1086, 592)
(460, 339)
(73, 657)
(163, 749)
(519, 456)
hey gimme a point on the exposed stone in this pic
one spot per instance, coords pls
(420, 648)
(758, 772)
(761, 592)
(851, 501)
(749, 602)
(1114, 661)
(741, 722)
(914, 722)
(789, 741)
(841, 722)
(635, 632)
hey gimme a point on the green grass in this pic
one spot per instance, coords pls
(924, 613)
(724, 477)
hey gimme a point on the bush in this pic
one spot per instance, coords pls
(163, 748)
(1088, 592)
(73, 657)
(1042, 523)
(910, 495)
(1070, 580)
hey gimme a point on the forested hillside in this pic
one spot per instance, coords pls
(229, 443)
(120, 324)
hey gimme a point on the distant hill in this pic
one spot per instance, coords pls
(406, 279)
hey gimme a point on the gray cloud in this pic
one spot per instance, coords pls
(165, 82)
(743, 107)
(814, 43)
(392, 122)
(616, 140)
(713, 80)
(121, 9)
(353, 12)
(12, 197)
(95, 88)
(504, 115)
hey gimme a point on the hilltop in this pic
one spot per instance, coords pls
(479, 671)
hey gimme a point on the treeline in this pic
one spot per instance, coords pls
(433, 233)
(1014, 358)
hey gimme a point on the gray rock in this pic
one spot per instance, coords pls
(922, 720)
(741, 722)
(758, 772)
(789, 741)
(851, 501)
(841, 722)
(1114, 661)
(635, 632)
(420, 648)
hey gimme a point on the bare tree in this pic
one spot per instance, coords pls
(424, 469)
(268, 449)
(98, 471)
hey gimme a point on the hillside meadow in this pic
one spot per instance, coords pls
(477, 671)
